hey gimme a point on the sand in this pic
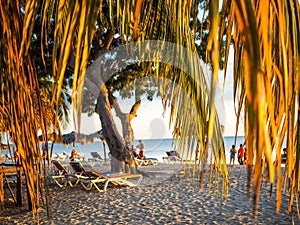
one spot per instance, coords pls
(165, 197)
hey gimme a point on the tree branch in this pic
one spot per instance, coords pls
(134, 109)
(107, 43)
(115, 104)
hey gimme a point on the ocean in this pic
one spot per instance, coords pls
(154, 148)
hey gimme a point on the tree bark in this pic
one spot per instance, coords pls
(126, 118)
(121, 155)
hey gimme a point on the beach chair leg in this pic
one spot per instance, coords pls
(133, 184)
(69, 181)
(130, 184)
(59, 184)
(152, 162)
(59, 180)
(166, 159)
(105, 185)
(87, 187)
(96, 186)
(140, 180)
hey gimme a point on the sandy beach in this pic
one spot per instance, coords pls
(165, 197)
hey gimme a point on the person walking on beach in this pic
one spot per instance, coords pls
(141, 146)
(232, 154)
(241, 154)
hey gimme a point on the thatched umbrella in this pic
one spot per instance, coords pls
(81, 138)
(74, 137)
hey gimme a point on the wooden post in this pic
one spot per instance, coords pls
(19, 186)
(1, 182)
(104, 148)
(28, 197)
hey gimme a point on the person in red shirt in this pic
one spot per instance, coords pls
(241, 154)
(141, 147)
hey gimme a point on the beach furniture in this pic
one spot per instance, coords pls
(88, 179)
(96, 156)
(58, 156)
(59, 173)
(172, 156)
(10, 172)
(67, 156)
(146, 162)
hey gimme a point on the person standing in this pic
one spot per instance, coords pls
(241, 154)
(141, 146)
(232, 154)
(284, 156)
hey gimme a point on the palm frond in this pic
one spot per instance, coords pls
(265, 83)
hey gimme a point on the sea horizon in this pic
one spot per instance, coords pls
(154, 148)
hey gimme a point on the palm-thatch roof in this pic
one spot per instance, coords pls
(75, 137)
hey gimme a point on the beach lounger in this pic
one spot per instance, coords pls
(59, 174)
(58, 156)
(96, 156)
(67, 156)
(172, 156)
(89, 179)
(146, 162)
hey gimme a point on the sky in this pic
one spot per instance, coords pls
(152, 123)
